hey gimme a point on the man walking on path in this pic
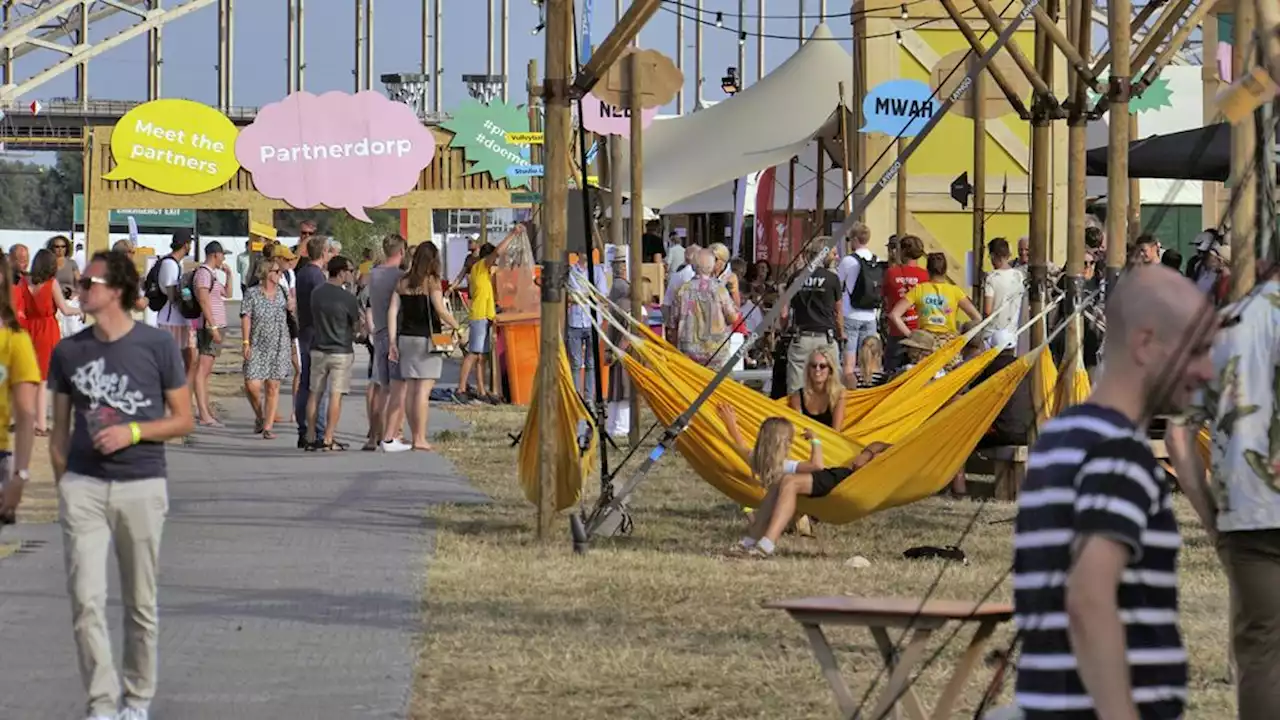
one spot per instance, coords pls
(337, 320)
(1096, 542)
(211, 282)
(126, 384)
(388, 400)
(862, 294)
(309, 277)
(170, 316)
(1241, 512)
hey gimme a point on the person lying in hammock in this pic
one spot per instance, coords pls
(784, 479)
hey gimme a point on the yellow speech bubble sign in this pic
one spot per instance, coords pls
(177, 147)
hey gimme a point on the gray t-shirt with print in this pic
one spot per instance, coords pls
(114, 383)
(382, 285)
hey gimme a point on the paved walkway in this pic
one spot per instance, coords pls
(290, 586)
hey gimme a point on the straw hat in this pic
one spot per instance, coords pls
(919, 340)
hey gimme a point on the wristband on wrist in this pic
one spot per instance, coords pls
(136, 431)
(815, 441)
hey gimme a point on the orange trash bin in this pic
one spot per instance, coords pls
(521, 336)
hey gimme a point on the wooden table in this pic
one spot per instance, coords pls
(880, 614)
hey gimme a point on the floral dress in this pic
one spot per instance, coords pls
(270, 356)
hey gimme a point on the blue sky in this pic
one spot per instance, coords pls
(191, 47)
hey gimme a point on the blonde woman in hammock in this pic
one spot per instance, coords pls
(784, 479)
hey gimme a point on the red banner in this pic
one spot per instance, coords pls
(766, 238)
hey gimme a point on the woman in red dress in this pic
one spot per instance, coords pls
(42, 304)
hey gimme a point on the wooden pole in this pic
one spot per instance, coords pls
(1119, 13)
(555, 215)
(1080, 28)
(1244, 145)
(1135, 188)
(535, 125)
(977, 109)
(846, 146)
(1041, 143)
(901, 195)
(1268, 14)
(637, 223)
(857, 146)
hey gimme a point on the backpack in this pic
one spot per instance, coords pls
(156, 295)
(189, 302)
(868, 289)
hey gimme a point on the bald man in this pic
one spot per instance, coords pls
(1096, 543)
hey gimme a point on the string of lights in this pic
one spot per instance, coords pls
(721, 13)
(743, 34)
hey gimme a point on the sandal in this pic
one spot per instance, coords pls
(333, 446)
(42, 432)
(268, 435)
(258, 426)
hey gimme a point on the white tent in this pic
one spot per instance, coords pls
(764, 125)
(719, 199)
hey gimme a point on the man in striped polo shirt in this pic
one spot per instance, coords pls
(1096, 546)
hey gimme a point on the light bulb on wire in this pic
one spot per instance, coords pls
(898, 35)
(537, 28)
(719, 19)
(904, 12)
(742, 38)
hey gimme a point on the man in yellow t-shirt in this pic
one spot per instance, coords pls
(19, 376)
(480, 325)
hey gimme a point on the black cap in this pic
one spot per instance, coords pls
(181, 238)
(214, 248)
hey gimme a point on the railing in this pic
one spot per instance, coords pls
(115, 109)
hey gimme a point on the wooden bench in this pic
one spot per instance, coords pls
(878, 615)
(1008, 465)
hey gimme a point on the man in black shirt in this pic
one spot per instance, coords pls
(1012, 427)
(336, 320)
(651, 248)
(814, 316)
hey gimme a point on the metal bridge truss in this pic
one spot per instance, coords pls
(63, 27)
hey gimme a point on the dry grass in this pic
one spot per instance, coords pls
(656, 626)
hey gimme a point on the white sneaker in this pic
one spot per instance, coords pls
(392, 445)
(130, 713)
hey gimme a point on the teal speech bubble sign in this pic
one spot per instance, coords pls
(481, 130)
(900, 108)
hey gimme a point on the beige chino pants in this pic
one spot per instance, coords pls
(96, 515)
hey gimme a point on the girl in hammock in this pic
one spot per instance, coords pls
(784, 479)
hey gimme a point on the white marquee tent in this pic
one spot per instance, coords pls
(695, 156)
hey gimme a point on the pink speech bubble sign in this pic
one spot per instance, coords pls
(602, 118)
(337, 150)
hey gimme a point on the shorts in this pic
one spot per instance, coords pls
(826, 480)
(385, 371)
(417, 362)
(332, 370)
(798, 355)
(205, 344)
(479, 341)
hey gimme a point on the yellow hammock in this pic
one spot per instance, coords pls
(1046, 396)
(572, 466)
(920, 465)
(896, 420)
(859, 403)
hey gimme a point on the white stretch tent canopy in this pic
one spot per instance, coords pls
(719, 199)
(763, 125)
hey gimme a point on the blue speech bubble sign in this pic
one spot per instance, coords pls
(900, 108)
(525, 171)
